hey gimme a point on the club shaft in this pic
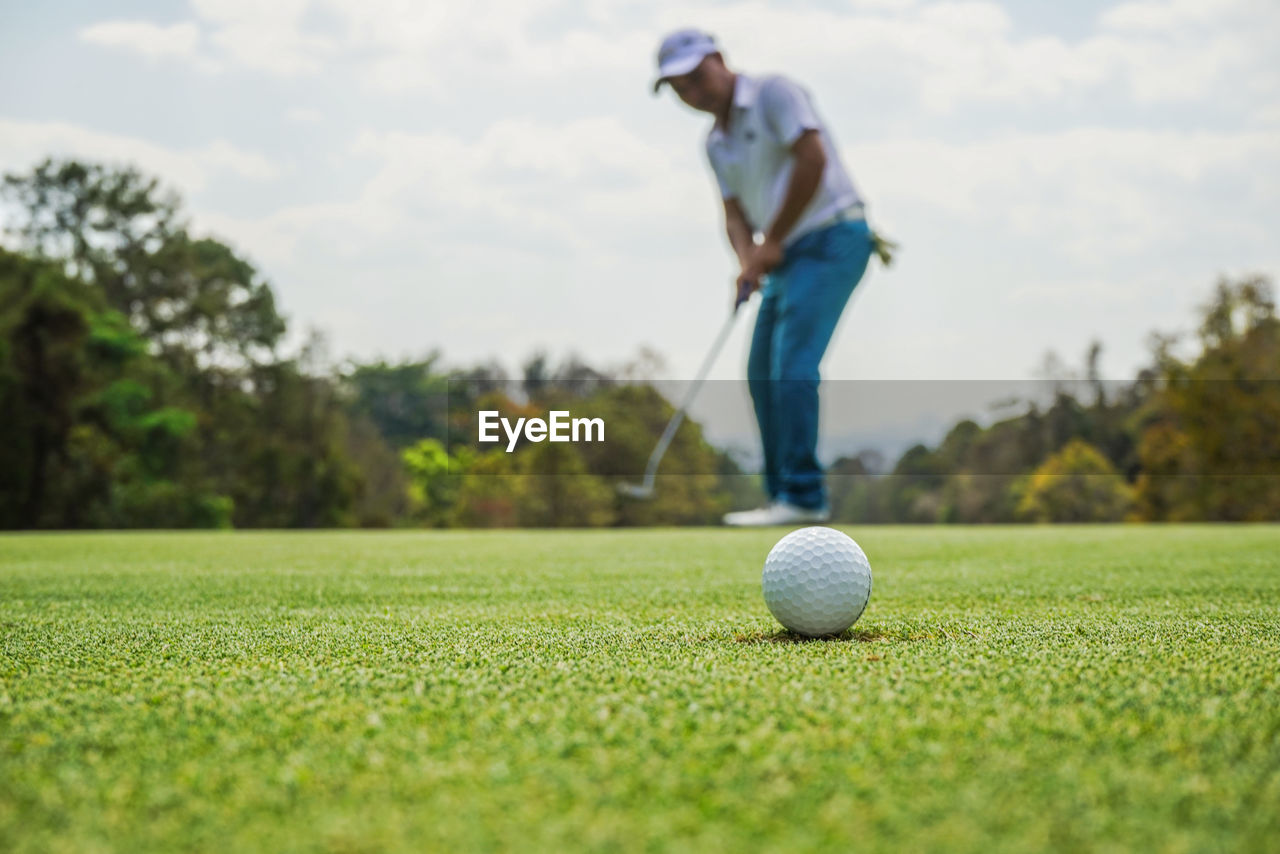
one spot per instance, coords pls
(651, 470)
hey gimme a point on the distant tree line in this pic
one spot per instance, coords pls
(144, 383)
(1192, 438)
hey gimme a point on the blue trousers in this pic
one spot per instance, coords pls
(802, 300)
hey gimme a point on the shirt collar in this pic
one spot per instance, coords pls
(745, 90)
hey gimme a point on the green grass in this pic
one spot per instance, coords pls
(1008, 689)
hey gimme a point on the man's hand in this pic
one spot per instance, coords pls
(760, 260)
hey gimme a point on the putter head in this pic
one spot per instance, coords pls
(640, 491)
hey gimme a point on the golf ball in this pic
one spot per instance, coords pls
(817, 581)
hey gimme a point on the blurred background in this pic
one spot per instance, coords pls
(261, 262)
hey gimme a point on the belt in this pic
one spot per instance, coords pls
(853, 213)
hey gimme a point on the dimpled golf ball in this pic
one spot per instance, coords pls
(817, 581)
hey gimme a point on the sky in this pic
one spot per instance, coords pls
(494, 178)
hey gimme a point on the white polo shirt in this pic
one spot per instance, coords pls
(752, 161)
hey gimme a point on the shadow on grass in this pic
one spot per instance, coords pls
(869, 634)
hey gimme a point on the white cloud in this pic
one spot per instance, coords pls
(1046, 188)
(1096, 191)
(946, 54)
(305, 115)
(1267, 115)
(435, 47)
(152, 41)
(1164, 16)
(266, 37)
(524, 226)
(950, 54)
(24, 143)
(572, 187)
(222, 156)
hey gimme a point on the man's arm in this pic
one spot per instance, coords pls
(806, 174)
(742, 238)
(741, 235)
(809, 160)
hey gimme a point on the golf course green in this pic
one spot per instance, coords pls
(1008, 689)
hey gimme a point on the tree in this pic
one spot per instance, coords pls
(141, 379)
(118, 230)
(1076, 484)
(695, 483)
(89, 438)
(556, 490)
(1210, 446)
(407, 401)
(857, 493)
(915, 486)
(283, 452)
(435, 480)
(487, 494)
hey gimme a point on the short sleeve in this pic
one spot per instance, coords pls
(787, 109)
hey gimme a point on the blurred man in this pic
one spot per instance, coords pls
(796, 223)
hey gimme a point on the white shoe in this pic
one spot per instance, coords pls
(777, 513)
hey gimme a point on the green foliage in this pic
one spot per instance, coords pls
(693, 479)
(85, 441)
(488, 493)
(407, 401)
(1210, 446)
(139, 375)
(1097, 688)
(122, 401)
(382, 498)
(434, 481)
(546, 484)
(169, 423)
(112, 339)
(1076, 484)
(284, 447)
(151, 503)
(120, 231)
(854, 491)
(556, 490)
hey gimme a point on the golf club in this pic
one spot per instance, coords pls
(644, 490)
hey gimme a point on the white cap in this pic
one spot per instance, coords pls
(681, 52)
